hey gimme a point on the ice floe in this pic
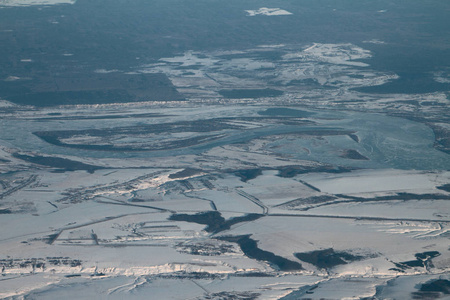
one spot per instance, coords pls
(341, 54)
(374, 41)
(268, 12)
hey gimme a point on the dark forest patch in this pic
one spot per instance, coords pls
(214, 220)
(445, 187)
(309, 201)
(249, 174)
(250, 248)
(292, 171)
(433, 289)
(327, 258)
(185, 173)
(422, 260)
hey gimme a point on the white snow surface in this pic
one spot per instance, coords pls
(344, 54)
(374, 181)
(268, 12)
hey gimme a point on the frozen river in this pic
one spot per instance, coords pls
(388, 142)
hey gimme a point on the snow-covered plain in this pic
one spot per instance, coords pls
(101, 222)
(319, 170)
(376, 181)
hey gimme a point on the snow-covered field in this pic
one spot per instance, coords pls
(320, 192)
(83, 222)
(378, 181)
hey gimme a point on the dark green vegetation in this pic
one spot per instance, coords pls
(57, 162)
(433, 289)
(205, 249)
(253, 274)
(440, 285)
(39, 263)
(308, 202)
(249, 174)
(185, 173)
(398, 196)
(233, 295)
(445, 187)
(422, 260)
(250, 248)
(292, 171)
(327, 258)
(317, 201)
(214, 220)
(189, 275)
(250, 93)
